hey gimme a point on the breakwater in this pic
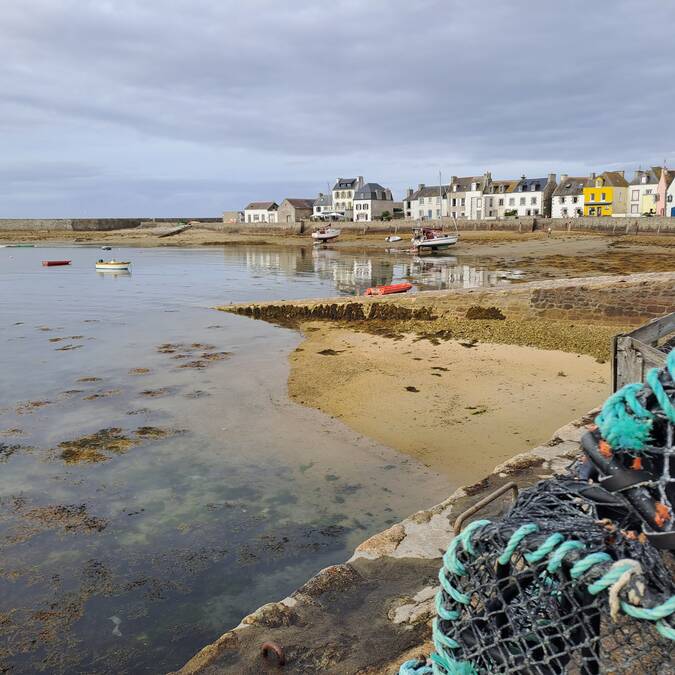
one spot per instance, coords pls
(89, 224)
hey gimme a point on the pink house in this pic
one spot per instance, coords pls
(663, 208)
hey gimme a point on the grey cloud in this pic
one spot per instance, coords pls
(237, 99)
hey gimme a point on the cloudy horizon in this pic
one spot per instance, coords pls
(116, 108)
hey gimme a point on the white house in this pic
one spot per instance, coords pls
(533, 196)
(371, 200)
(568, 197)
(465, 196)
(496, 198)
(343, 195)
(261, 212)
(428, 202)
(642, 191)
(322, 204)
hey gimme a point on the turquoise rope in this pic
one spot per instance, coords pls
(661, 611)
(443, 613)
(413, 667)
(453, 667)
(665, 629)
(556, 559)
(545, 549)
(582, 566)
(518, 536)
(442, 638)
(660, 393)
(455, 594)
(608, 579)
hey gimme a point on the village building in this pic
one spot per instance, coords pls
(496, 196)
(371, 200)
(642, 192)
(295, 210)
(533, 196)
(568, 197)
(663, 201)
(261, 212)
(607, 195)
(322, 204)
(426, 203)
(343, 195)
(465, 196)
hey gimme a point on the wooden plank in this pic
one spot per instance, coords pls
(652, 356)
(655, 329)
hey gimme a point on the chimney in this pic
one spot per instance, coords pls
(420, 186)
(621, 173)
(360, 181)
(409, 193)
(387, 194)
(320, 195)
(592, 175)
(551, 178)
(522, 177)
(563, 178)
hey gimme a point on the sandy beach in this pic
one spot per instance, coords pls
(459, 407)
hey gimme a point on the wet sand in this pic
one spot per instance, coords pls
(460, 408)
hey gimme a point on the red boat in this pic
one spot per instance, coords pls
(387, 290)
(54, 263)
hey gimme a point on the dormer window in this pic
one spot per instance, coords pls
(644, 179)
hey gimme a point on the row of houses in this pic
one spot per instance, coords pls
(650, 192)
(350, 199)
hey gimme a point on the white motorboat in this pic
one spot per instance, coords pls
(324, 234)
(112, 265)
(392, 238)
(427, 239)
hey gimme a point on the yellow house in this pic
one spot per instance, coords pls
(607, 195)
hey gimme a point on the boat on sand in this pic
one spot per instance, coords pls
(324, 234)
(55, 263)
(426, 239)
(112, 265)
(388, 290)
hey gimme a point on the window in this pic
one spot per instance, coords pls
(512, 201)
(648, 191)
(603, 197)
(644, 179)
(454, 201)
(462, 202)
(535, 212)
(562, 200)
(564, 213)
(533, 200)
(501, 202)
(575, 200)
(421, 200)
(429, 212)
(522, 201)
(438, 213)
(634, 195)
(491, 202)
(366, 206)
(591, 211)
(491, 214)
(591, 197)
(256, 217)
(634, 208)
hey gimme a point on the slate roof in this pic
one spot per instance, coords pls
(428, 191)
(300, 203)
(262, 206)
(324, 200)
(614, 179)
(653, 176)
(463, 183)
(345, 184)
(572, 186)
(531, 184)
(373, 191)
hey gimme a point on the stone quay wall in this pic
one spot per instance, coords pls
(606, 300)
(88, 224)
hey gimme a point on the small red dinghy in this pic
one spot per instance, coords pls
(386, 290)
(54, 263)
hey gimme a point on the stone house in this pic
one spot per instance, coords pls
(371, 200)
(343, 195)
(642, 191)
(295, 210)
(322, 204)
(607, 195)
(426, 203)
(533, 196)
(568, 197)
(261, 212)
(465, 196)
(496, 197)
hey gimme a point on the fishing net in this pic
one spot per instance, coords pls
(578, 576)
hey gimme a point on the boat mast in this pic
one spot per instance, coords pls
(440, 198)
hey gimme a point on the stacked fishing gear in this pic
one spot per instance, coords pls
(578, 576)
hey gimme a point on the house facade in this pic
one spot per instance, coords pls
(465, 196)
(496, 198)
(261, 212)
(607, 195)
(642, 192)
(322, 204)
(568, 197)
(293, 210)
(665, 190)
(533, 196)
(343, 195)
(426, 203)
(371, 200)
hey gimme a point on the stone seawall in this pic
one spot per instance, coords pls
(87, 224)
(606, 300)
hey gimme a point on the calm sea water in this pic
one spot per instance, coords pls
(208, 492)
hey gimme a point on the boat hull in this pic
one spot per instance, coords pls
(434, 244)
(55, 263)
(112, 266)
(388, 290)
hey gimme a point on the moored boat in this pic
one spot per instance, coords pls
(112, 265)
(393, 238)
(388, 290)
(55, 263)
(427, 239)
(324, 234)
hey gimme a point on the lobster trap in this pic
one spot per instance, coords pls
(578, 577)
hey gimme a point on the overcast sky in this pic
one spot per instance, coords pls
(191, 107)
